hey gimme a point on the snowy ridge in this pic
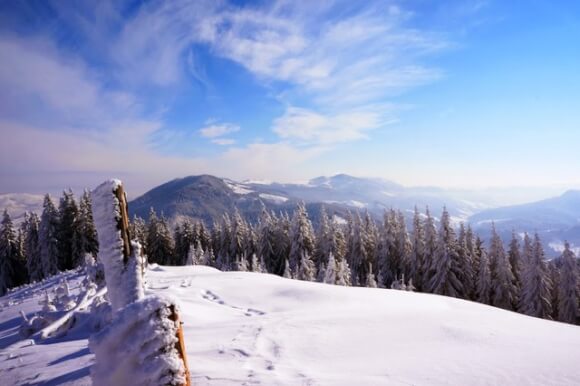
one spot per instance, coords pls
(243, 327)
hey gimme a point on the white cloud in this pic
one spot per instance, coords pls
(218, 130)
(312, 127)
(223, 141)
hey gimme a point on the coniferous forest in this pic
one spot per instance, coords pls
(430, 255)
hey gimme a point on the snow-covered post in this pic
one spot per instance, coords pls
(121, 258)
(144, 344)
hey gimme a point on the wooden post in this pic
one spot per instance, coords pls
(180, 345)
(121, 262)
(123, 222)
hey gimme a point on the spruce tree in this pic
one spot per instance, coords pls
(302, 240)
(483, 279)
(67, 230)
(430, 249)
(8, 254)
(85, 233)
(447, 275)
(32, 247)
(515, 259)
(536, 285)
(417, 256)
(48, 238)
(502, 279)
(466, 262)
(569, 303)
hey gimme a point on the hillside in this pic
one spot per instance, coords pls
(208, 197)
(556, 219)
(261, 329)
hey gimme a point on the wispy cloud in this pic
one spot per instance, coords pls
(223, 141)
(218, 130)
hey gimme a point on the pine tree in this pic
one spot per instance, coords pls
(430, 249)
(483, 279)
(85, 233)
(282, 244)
(8, 254)
(324, 239)
(502, 280)
(138, 231)
(160, 243)
(184, 238)
(266, 242)
(447, 275)
(67, 230)
(238, 237)
(343, 273)
(302, 239)
(48, 238)
(306, 269)
(417, 257)
(466, 262)
(32, 247)
(536, 285)
(515, 259)
(569, 303)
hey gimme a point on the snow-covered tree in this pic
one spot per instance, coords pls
(302, 240)
(536, 285)
(447, 275)
(466, 262)
(8, 254)
(417, 256)
(32, 247)
(483, 278)
(160, 243)
(569, 303)
(306, 269)
(184, 239)
(85, 234)
(238, 237)
(343, 273)
(515, 259)
(67, 230)
(430, 249)
(370, 281)
(503, 288)
(48, 238)
(267, 242)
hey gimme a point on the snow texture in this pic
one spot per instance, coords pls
(138, 347)
(250, 328)
(124, 281)
(273, 198)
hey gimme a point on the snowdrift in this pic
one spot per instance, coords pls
(250, 328)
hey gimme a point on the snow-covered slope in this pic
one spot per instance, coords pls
(249, 328)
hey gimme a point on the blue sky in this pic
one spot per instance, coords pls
(462, 94)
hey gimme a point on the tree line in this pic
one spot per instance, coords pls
(430, 256)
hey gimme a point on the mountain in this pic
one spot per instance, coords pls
(250, 328)
(555, 219)
(208, 197)
(18, 203)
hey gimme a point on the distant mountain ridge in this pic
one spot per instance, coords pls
(208, 197)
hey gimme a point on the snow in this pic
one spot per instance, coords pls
(558, 246)
(238, 188)
(143, 327)
(356, 204)
(274, 198)
(19, 203)
(243, 327)
(123, 279)
(339, 220)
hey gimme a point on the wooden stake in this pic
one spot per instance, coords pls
(180, 345)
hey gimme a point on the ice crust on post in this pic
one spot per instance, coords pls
(140, 346)
(122, 265)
